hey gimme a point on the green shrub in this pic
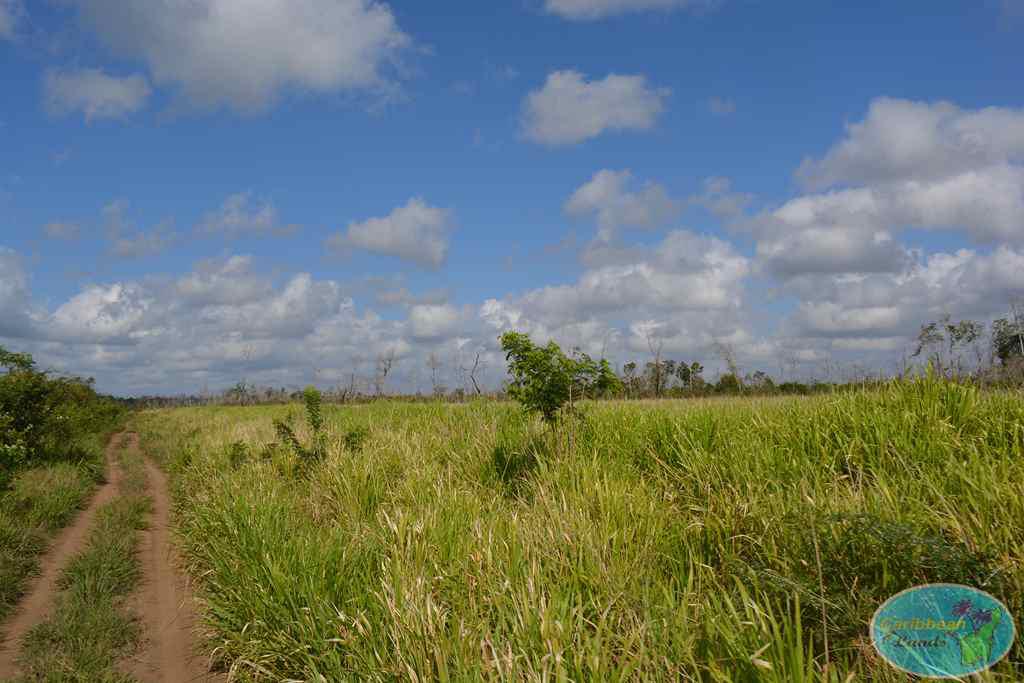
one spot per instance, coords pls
(44, 417)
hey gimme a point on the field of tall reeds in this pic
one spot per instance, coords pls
(730, 539)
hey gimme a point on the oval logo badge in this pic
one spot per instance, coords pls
(942, 630)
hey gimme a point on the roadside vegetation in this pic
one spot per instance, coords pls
(52, 436)
(718, 539)
(90, 628)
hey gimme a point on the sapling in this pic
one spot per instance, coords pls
(547, 382)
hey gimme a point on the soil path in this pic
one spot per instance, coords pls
(165, 603)
(71, 540)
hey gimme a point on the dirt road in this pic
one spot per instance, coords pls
(165, 604)
(70, 541)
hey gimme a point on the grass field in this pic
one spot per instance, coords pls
(719, 540)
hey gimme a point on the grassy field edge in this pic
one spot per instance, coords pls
(721, 540)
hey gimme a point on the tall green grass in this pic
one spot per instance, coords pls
(717, 540)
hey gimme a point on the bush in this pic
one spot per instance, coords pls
(44, 417)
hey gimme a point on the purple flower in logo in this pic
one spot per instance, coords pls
(981, 617)
(962, 608)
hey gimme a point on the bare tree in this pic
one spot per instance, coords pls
(655, 345)
(472, 374)
(726, 352)
(434, 363)
(385, 361)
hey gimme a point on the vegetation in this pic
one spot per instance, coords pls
(44, 418)
(90, 629)
(38, 502)
(546, 381)
(721, 539)
(52, 436)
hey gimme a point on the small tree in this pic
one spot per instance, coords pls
(545, 380)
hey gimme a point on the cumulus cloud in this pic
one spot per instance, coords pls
(928, 166)
(228, 282)
(607, 197)
(219, 323)
(589, 10)
(434, 321)
(568, 109)
(890, 306)
(244, 54)
(94, 93)
(240, 216)
(15, 297)
(415, 232)
(108, 314)
(902, 140)
(689, 286)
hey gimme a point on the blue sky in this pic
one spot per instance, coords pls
(192, 193)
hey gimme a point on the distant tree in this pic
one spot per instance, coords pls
(728, 384)
(434, 364)
(655, 369)
(683, 373)
(760, 380)
(728, 356)
(1008, 339)
(629, 378)
(942, 343)
(385, 362)
(696, 375)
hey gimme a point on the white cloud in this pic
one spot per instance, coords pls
(15, 296)
(568, 109)
(965, 283)
(244, 53)
(606, 196)
(588, 10)
(227, 282)
(110, 314)
(689, 286)
(415, 232)
(902, 140)
(94, 93)
(906, 165)
(10, 16)
(428, 321)
(236, 218)
(61, 230)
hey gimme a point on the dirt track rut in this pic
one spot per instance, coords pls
(165, 603)
(35, 605)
